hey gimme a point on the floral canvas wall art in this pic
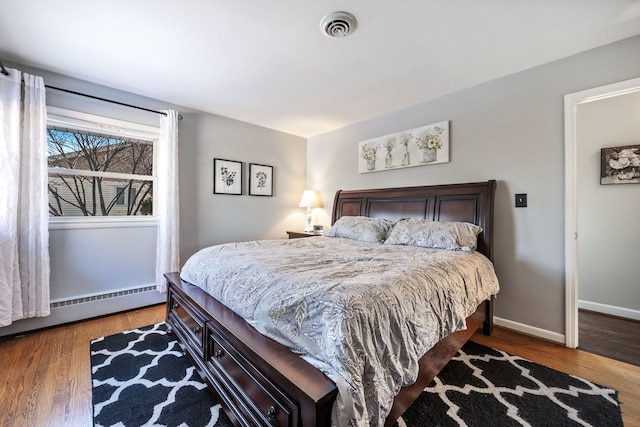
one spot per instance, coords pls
(620, 165)
(421, 146)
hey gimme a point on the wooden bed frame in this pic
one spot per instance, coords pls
(261, 382)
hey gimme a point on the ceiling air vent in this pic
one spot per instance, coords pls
(338, 24)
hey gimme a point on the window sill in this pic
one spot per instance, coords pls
(101, 222)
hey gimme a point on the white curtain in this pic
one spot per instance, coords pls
(24, 212)
(168, 250)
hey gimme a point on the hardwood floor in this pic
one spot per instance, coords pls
(609, 336)
(45, 376)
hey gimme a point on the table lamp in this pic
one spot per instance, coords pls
(309, 200)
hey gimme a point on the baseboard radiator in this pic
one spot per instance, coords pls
(81, 307)
(98, 297)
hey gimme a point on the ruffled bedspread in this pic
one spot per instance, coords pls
(362, 313)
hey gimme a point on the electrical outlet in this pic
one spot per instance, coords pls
(521, 200)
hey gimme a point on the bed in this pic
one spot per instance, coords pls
(264, 382)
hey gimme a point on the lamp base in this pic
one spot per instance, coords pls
(309, 228)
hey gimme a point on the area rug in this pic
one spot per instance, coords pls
(142, 378)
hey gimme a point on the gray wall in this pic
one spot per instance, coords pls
(510, 129)
(94, 260)
(608, 215)
(207, 218)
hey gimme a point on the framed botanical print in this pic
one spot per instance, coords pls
(227, 177)
(260, 180)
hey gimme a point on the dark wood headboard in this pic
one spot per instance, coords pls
(470, 202)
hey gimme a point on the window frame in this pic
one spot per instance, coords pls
(84, 122)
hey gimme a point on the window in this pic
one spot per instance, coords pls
(99, 167)
(124, 194)
(120, 195)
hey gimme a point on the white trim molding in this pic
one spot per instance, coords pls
(105, 125)
(571, 102)
(529, 330)
(96, 222)
(612, 310)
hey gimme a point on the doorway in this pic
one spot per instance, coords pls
(572, 103)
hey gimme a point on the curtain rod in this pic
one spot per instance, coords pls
(108, 100)
(103, 99)
(4, 71)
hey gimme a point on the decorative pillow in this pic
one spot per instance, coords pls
(434, 234)
(362, 228)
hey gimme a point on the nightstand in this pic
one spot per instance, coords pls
(299, 234)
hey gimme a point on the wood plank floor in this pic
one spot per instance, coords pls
(45, 377)
(609, 336)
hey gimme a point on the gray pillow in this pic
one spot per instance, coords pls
(362, 228)
(434, 234)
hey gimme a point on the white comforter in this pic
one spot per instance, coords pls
(362, 313)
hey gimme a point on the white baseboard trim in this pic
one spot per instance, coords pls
(529, 330)
(611, 310)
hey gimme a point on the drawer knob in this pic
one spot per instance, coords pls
(196, 330)
(271, 412)
(175, 306)
(218, 354)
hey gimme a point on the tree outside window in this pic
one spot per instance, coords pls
(98, 175)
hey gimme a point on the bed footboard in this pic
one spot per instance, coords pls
(257, 380)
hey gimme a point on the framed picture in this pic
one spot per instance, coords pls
(260, 180)
(227, 177)
(620, 165)
(426, 145)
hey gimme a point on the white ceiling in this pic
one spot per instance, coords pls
(267, 63)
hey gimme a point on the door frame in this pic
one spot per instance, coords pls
(571, 102)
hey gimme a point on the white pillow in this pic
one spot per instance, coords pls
(362, 228)
(434, 234)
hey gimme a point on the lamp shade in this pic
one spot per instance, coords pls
(309, 199)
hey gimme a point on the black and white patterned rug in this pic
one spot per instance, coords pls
(142, 378)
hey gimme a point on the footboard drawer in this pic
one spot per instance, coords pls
(188, 321)
(259, 381)
(250, 393)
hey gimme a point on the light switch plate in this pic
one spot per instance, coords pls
(521, 200)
